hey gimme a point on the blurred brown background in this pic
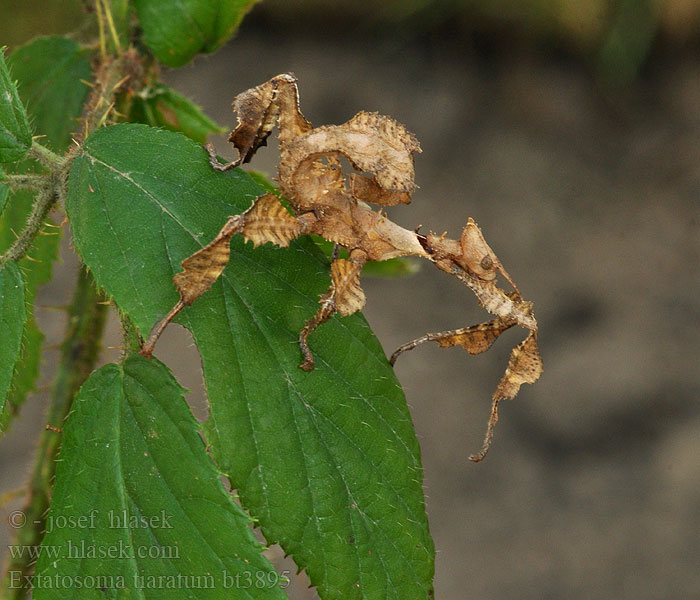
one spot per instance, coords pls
(570, 131)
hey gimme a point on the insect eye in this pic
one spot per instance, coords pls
(487, 263)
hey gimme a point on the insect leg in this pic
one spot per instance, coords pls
(265, 221)
(524, 366)
(490, 426)
(199, 272)
(475, 339)
(345, 296)
(214, 159)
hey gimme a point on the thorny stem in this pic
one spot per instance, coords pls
(22, 181)
(45, 199)
(45, 156)
(50, 187)
(79, 352)
(110, 75)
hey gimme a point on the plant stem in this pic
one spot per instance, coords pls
(46, 198)
(79, 352)
(51, 187)
(25, 180)
(111, 75)
(45, 156)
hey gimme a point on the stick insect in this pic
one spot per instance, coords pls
(335, 205)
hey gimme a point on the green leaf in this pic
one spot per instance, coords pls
(328, 460)
(395, 267)
(162, 106)
(263, 180)
(15, 134)
(36, 269)
(138, 509)
(177, 30)
(49, 70)
(4, 195)
(12, 317)
(230, 15)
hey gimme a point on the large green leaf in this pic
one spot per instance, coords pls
(138, 509)
(328, 460)
(12, 317)
(177, 30)
(15, 134)
(48, 70)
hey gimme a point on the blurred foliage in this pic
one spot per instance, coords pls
(21, 20)
(615, 37)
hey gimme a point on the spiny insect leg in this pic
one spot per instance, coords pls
(199, 272)
(265, 221)
(524, 366)
(324, 313)
(490, 426)
(214, 159)
(345, 296)
(475, 339)
(159, 328)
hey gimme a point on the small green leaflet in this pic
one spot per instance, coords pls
(12, 317)
(4, 195)
(138, 509)
(15, 133)
(52, 72)
(162, 106)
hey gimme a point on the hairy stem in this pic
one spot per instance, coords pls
(111, 75)
(45, 199)
(24, 181)
(45, 156)
(51, 187)
(79, 352)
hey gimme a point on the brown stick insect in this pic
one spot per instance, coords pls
(335, 205)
